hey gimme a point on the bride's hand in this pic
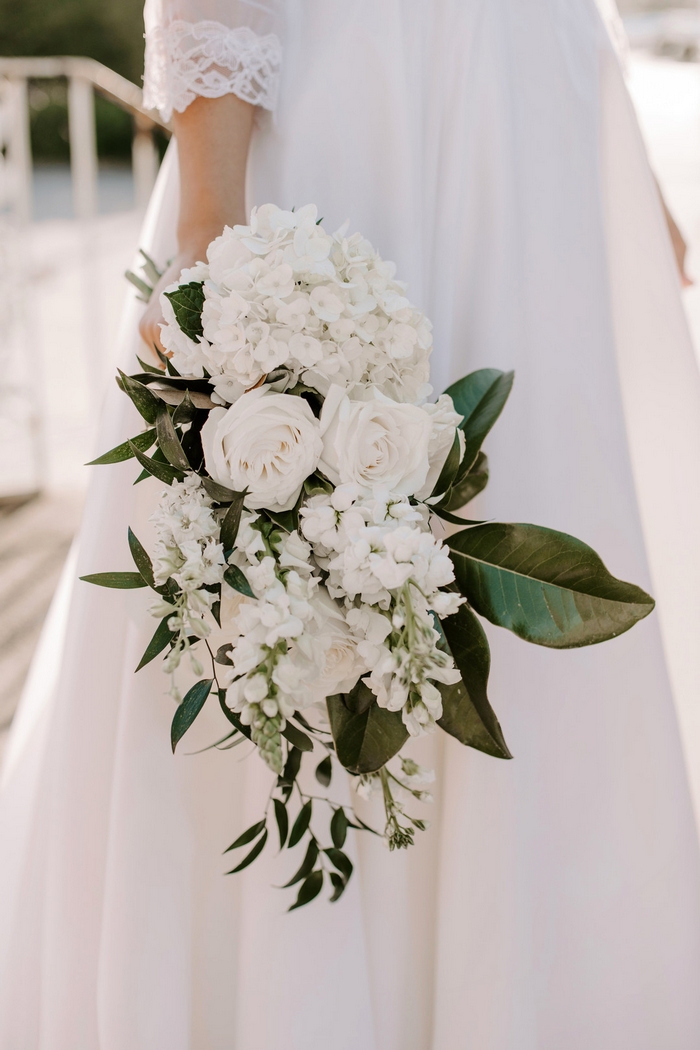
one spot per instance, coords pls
(152, 317)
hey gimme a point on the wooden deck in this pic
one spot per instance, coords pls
(34, 540)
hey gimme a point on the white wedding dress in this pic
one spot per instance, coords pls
(489, 148)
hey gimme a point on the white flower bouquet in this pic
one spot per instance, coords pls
(307, 475)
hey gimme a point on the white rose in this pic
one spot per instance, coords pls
(329, 654)
(266, 443)
(375, 442)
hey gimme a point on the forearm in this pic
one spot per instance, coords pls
(213, 137)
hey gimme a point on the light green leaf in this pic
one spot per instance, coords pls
(124, 581)
(145, 401)
(123, 452)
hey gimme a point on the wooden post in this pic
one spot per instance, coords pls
(83, 147)
(19, 148)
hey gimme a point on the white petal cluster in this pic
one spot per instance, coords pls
(282, 293)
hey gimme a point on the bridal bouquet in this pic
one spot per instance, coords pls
(307, 478)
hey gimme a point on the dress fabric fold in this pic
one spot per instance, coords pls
(489, 148)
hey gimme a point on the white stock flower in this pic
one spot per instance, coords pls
(266, 443)
(374, 442)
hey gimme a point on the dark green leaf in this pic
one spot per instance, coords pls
(307, 864)
(466, 711)
(146, 402)
(147, 367)
(219, 493)
(300, 824)
(235, 578)
(187, 711)
(185, 411)
(309, 889)
(297, 738)
(162, 637)
(449, 469)
(292, 767)
(168, 440)
(547, 587)
(247, 836)
(229, 526)
(282, 818)
(232, 716)
(187, 301)
(255, 852)
(123, 452)
(317, 486)
(162, 471)
(339, 885)
(121, 580)
(340, 861)
(324, 771)
(360, 698)
(216, 612)
(339, 828)
(141, 559)
(365, 742)
(470, 486)
(452, 518)
(480, 398)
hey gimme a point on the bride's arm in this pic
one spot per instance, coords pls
(213, 136)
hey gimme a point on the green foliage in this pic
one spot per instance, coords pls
(124, 451)
(324, 771)
(232, 521)
(310, 889)
(235, 578)
(187, 711)
(366, 736)
(124, 581)
(297, 738)
(163, 637)
(480, 398)
(187, 301)
(474, 482)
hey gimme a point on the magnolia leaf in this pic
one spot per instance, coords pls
(145, 401)
(162, 637)
(470, 485)
(229, 526)
(121, 580)
(162, 471)
(254, 853)
(187, 711)
(449, 469)
(235, 578)
(339, 828)
(309, 889)
(480, 398)
(169, 442)
(365, 742)
(124, 451)
(466, 712)
(300, 824)
(545, 586)
(307, 864)
(297, 738)
(324, 771)
(247, 836)
(282, 818)
(187, 302)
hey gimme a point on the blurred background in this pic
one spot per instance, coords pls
(78, 157)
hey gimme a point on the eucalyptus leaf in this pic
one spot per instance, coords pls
(169, 442)
(187, 711)
(466, 712)
(282, 818)
(480, 398)
(162, 471)
(145, 401)
(339, 828)
(324, 771)
(301, 824)
(547, 587)
(235, 578)
(247, 836)
(297, 738)
(307, 865)
(187, 302)
(231, 522)
(253, 855)
(310, 888)
(365, 742)
(124, 451)
(163, 637)
(124, 581)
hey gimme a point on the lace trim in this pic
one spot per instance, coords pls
(187, 59)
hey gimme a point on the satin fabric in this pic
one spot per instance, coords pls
(490, 149)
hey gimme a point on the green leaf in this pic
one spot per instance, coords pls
(480, 398)
(339, 885)
(449, 469)
(147, 367)
(292, 767)
(235, 578)
(162, 637)
(310, 888)
(232, 716)
(151, 269)
(187, 301)
(187, 711)
(123, 452)
(307, 864)
(254, 853)
(247, 836)
(466, 712)
(324, 771)
(124, 581)
(446, 516)
(229, 526)
(470, 486)
(297, 738)
(545, 586)
(219, 493)
(339, 828)
(141, 559)
(168, 440)
(301, 824)
(340, 861)
(162, 471)
(145, 401)
(317, 486)
(365, 742)
(282, 818)
(146, 290)
(185, 411)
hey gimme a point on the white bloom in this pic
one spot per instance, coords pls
(372, 442)
(266, 443)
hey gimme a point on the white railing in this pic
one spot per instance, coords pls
(85, 76)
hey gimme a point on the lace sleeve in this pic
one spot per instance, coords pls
(237, 51)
